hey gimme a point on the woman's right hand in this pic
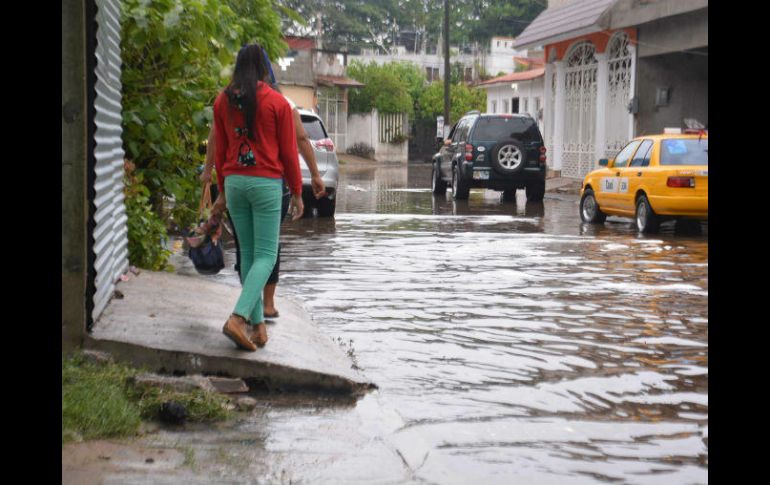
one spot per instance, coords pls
(296, 207)
(219, 205)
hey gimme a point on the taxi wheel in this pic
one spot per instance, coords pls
(438, 186)
(589, 209)
(646, 219)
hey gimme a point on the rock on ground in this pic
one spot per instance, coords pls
(98, 357)
(179, 384)
(246, 403)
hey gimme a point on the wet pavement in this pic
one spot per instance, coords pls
(510, 342)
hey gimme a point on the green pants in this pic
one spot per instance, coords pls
(254, 204)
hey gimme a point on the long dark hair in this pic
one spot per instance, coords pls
(242, 91)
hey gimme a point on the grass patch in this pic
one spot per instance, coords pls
(200, 405)
(94, 401)
(99, 402)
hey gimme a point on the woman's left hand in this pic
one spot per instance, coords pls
(296, 207)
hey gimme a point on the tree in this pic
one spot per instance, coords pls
(353, 24)
(461, 97)
(387, 87)
(344, 24)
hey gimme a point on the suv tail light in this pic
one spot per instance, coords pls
(542, 155)
(681, 182)
(469, 152)
(325, 144)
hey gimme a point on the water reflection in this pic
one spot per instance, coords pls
(511, 342)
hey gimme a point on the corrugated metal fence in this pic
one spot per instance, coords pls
(110, 236)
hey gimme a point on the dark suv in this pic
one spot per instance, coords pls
(493, 151)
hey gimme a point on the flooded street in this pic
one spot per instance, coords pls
(510, 343)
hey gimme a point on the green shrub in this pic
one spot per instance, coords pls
(146, 230)
(461, 98)
(387, 88)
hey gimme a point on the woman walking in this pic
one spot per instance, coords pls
(256, 148)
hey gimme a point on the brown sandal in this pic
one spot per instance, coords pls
(235, 331)
(258, 334)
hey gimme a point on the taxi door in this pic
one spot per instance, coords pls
(633, 176)
(614, 185)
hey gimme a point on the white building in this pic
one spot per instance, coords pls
(498, 58)
(615, 69)
(518, 92)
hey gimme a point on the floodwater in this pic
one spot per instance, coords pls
(510, 342)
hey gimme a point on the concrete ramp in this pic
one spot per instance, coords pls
(173, 323)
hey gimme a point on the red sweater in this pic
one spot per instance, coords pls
(274, 147)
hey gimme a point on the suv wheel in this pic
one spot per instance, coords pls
(508, 157)
(535, 191)
(460, 189)
(589, 209)
(438, 186)
(646, 220)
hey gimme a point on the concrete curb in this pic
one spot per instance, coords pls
(172, 323)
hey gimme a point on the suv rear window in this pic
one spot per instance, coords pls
(684, 152)
(494, 128)
(314, 128)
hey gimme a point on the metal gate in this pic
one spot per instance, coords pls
(618, 94)
(580, 116)
(110, 233)
(334, 113)
(392, 126)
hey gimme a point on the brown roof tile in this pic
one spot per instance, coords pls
(516, 76)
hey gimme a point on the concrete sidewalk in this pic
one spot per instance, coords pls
(563, 185)
(173, 323)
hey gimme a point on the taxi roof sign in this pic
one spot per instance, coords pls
(672, 131)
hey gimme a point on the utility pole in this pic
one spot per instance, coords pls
(447, 122)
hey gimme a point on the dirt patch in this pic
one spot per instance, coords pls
(95, 461)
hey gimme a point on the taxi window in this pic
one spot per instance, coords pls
(621, 159)
(642, 155)
(684, 152)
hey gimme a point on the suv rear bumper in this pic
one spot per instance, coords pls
(499, 181)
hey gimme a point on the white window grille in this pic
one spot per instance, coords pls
(580, 110)
(494, 106)
(618, 93)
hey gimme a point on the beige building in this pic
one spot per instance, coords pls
(315, 79)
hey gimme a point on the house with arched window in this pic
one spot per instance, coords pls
(615, 69)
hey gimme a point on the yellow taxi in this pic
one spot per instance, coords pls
(652, 179)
